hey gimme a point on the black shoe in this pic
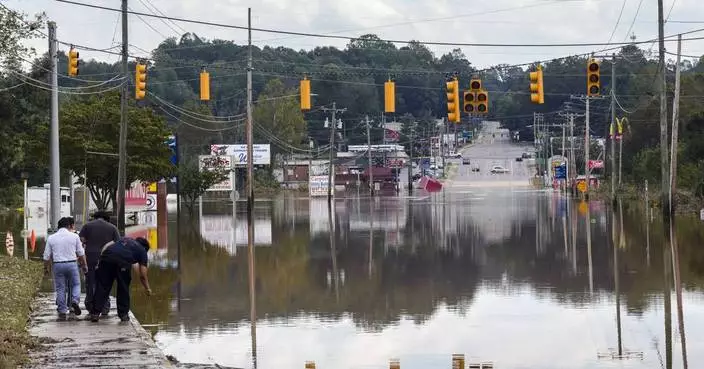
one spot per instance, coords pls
(94, 318)
(62, 317)
(75, 309)
(124, 318)
(105, 313)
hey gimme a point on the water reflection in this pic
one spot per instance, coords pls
(521, 279)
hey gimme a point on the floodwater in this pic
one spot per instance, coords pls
(520, 279)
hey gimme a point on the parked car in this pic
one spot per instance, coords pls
(498, 169)
(519, 159)
(525, 155)
(454, 155)
(475, 168)
(465, 161)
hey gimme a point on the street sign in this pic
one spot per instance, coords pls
(318, 185)
(582, 186)
(596, 164)
(561, 172)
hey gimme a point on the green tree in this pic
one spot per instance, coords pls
(193, 182)
(89, 141)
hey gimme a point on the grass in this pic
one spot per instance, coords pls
(19, 282)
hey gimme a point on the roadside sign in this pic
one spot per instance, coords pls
(212, 162)
(582, 186)
(318, 185)
(560, 172)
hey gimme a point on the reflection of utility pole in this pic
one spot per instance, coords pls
(252, 302)
(371, 237)
(369, 155)
(333, 252)
(587, 223)
(678, 291)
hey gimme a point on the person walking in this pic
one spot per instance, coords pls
(62, 250)
(96, 234)
(116, 262)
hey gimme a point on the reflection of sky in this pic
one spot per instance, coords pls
(513, 331)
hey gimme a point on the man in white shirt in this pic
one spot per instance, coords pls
(62, 250)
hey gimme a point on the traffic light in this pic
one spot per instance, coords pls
(482, 103)
(204, 85)
(537, 94)
(73, 62)
(140, 81)
(389, 96)
(593, 79)
(305, 94)
(452, 88)
(475, 84)
(469, 98)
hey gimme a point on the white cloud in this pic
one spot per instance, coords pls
(499, 21)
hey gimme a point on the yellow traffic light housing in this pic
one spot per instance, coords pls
(73, 62)
(469, 99)
(204, 85)
(140, 81)
(593, 78)
(452, 88)
(389, 96)
(475, 84)
(482, 102)
(305, 94)
(537, 92)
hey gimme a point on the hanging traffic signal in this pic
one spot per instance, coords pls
(389, 96)
(452, 88)
(475, 84)
(481, 106)
(204, 85)
(305, 94)
(469, 98)
(593, 79)
(73, 62)
(537, 94)
(140, 81)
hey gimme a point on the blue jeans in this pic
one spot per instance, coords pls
(66, 275)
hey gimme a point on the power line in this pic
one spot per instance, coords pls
(162, 20)
(640, 3)
(341, 37)
(623, 6)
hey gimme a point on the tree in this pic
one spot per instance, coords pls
(89, 142)
(15, 28)
(193, 182)
(278, 118)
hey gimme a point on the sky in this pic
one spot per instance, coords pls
(455, 21)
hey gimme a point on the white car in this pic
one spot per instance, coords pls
(498, 169)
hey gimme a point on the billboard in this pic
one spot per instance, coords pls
(211, 162)
(318, 185)
(261, 153)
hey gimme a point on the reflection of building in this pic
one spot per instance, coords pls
(219, 230)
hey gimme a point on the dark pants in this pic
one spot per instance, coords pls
(91, 283)
(106, 275)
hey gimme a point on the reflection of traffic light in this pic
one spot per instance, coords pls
(593, 79)
(389, 97)
(537, 94)
(305, 94)
(453, 100)
(204, 85)
(73, 62)
(482, 104)
(140, 81)
(469, 99)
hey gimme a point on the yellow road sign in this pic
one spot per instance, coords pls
(582, 186)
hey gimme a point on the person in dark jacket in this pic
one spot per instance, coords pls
(116, 262)
(95, 234)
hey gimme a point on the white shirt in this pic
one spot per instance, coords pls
(63, 246)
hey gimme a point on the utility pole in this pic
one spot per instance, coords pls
(586, 148)
(122, 147)
(675, 126)
(249, 128)
(563, 156)
(664, 154)
(572, 168)
(369, 156)
(55, 190)
(442, 146)
(410, 163)
(310, 158)
(613, 130)
(331, 174)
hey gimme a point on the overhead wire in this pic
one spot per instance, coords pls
(196, 115)
(162, 20)
(618, 21)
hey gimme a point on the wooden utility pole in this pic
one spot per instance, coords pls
(331, 174)
(675, 127)
(122, 146)
(664, 152)
(55, 163)
(249, 128)
(586, 147)
(369, 156)
(612, 130)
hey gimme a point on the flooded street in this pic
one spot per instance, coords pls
(510, 277)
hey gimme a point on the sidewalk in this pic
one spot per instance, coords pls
(83, 344)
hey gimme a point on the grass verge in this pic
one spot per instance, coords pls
(19, 282)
